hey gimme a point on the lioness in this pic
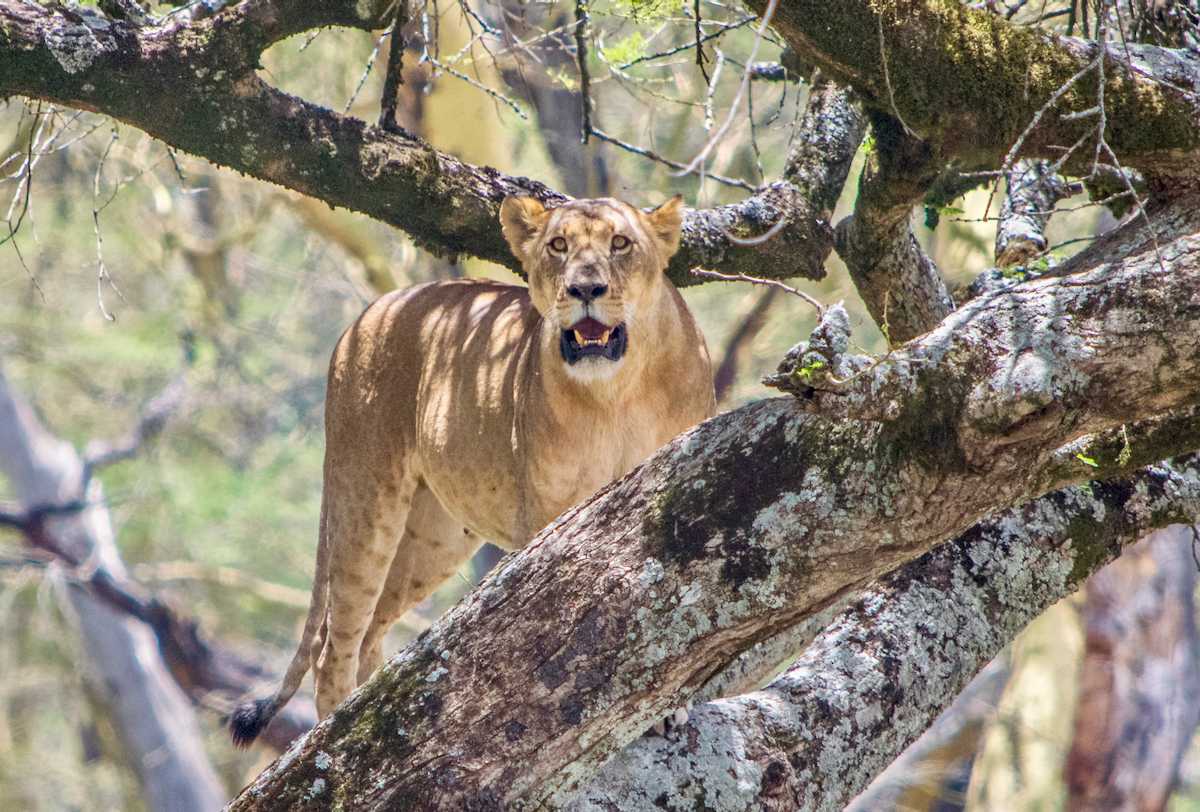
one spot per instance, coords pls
(466, 410)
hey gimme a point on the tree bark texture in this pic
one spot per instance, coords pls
(193, 85)
(1033, 191)
(761, 518)
(879, 674)
(958, 76)
(1137, 707)
(152, 716)
(919, 777)
(762, 523)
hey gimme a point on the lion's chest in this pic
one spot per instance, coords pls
(506, 483)
(585, 460)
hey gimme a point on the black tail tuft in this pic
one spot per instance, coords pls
(249, 719)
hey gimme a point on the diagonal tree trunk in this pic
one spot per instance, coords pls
(627, 604)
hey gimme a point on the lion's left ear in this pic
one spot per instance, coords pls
(521, 220)
(666, 222)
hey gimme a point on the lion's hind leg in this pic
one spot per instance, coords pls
(433, 548)
(364, 519)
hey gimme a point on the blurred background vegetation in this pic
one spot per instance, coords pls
(132, 263)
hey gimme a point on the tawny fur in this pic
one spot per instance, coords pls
(453, 418)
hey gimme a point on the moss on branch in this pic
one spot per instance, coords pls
(970, 82)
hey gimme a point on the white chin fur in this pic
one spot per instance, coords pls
(593, 370)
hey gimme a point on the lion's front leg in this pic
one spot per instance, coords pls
(432, 549)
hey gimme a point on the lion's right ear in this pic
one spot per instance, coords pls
(521, 220)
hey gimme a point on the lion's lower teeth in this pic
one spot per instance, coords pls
(579, 339)
(604, 338)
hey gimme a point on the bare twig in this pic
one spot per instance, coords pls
(654, 156)
(727, 27)
(395, 69)
(701, 58)
(102, 274)
(759, 239)
(741, 277)
(1011, 157)
(887, 79)
(154, 416)
(716, 137)
(362, 80)
(581, 55)
(712, 88)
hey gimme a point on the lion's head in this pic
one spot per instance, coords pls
(592, 266)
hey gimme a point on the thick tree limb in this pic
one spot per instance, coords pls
(1137, 711)
(879, 675)
(970, 82)
(918, 777)
(898, 282)
(832, 128)
(1023, 317)
(755, 521)
(193, 85)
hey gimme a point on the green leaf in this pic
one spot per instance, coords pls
(1086, 460)
(806, 372)
(627, 50)
(648, 9)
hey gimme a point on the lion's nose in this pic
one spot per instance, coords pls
(586, 293)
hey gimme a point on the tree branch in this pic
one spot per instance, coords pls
(192, 85)
(165, 746)
(627, 604)
(899, 283)
(963, 79)
(880, 674)
(211, 675)
(1034, 189)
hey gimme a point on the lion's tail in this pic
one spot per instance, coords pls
(251, 717)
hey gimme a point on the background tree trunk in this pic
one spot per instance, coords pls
(1139, 681)
(150, 713)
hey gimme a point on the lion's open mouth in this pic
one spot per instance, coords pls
(589, 338)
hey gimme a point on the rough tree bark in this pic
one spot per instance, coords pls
(898, 281)
(764, 520)
(919, 778)
(164, 746)
(793, 511)
(194, 86)
(1137, 710)
(881, 672)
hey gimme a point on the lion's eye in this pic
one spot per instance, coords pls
(558, 245)
(620, 243)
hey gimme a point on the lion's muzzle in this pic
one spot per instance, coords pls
(589, 338)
